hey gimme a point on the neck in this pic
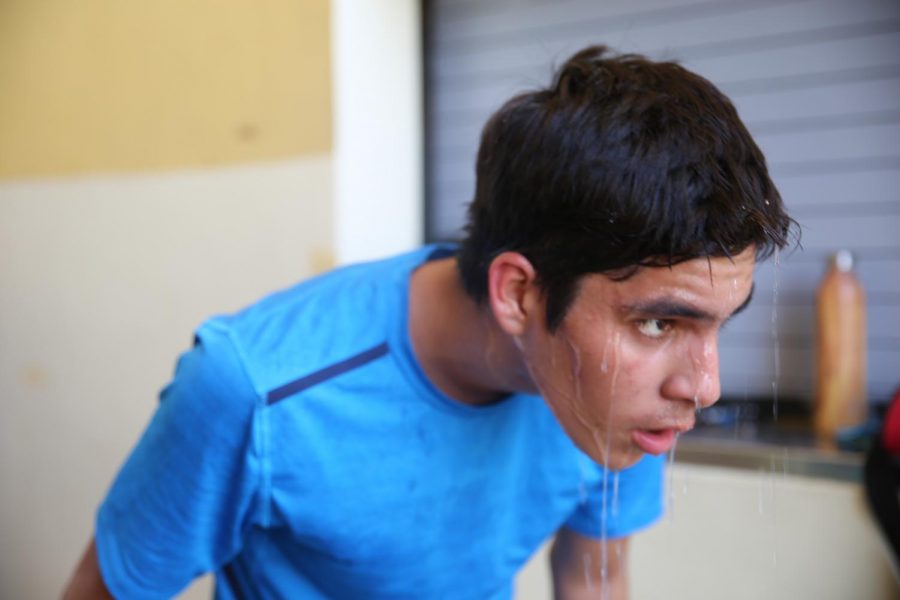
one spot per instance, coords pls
(457, 342)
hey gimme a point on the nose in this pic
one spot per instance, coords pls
(695, 375)
(706, 375)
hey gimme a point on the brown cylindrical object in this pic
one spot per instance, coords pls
(840, 349)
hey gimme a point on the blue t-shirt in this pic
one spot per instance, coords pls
(300, 452)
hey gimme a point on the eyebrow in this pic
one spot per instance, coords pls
(744, 304)
(673, 309)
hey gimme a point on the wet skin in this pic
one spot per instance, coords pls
(633, 359)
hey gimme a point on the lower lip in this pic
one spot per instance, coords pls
(654, 442)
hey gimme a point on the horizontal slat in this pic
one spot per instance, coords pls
(760, 26)
(809, 212)
(839, 121)
(739, 88)
(457, 176)
(853, 142)
(802, 167)
(478, 101)
(460, 172)
(785, 139)
(460, 114)
(840, 188)
(872, 59)
(787, 298)
(827, 219)
(736, 357)
(804, 183)
(881, 279)
(491, 24)
(748, 385)
(837, 92)
(800, 319)
(873, 96)
(453, 14)
(800, 269)
(848, 134)
(765, 339)
(797, 366)
(822, 57)
(757, 27)
(853, 232)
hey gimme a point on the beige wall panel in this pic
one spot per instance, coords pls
(103, 86)
(103, 282)
(739, 534)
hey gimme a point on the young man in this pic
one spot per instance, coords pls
(417, 427)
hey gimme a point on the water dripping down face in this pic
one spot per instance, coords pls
(634, 360)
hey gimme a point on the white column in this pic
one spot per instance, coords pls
(377, 116)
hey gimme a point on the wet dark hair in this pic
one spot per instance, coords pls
(621, 163)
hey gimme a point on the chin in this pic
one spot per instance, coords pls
(618, 459)
(625, 460)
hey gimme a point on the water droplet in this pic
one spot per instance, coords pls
(615, 497)
(761, 491)
(586, 560)
(776, 354)
(670, 494)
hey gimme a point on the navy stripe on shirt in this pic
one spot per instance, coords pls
(307, 381)
(230, 575)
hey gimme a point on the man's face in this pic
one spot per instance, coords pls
(633, 359)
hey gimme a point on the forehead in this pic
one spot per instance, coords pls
(717, 284)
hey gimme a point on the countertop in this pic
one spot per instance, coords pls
(765, 436)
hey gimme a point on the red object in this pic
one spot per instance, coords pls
(890, 434)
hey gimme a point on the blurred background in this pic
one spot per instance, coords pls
(163, 162)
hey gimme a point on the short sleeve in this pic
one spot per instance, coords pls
(190, 489)
(627, 501)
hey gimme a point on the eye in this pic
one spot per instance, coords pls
(654, 328)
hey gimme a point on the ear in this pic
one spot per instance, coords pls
(512, 291)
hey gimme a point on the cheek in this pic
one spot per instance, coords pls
(556, 369)
(633, 376)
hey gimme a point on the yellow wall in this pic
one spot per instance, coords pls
(109, 86)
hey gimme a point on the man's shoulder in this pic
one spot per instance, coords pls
(341, 295)
(321, 320)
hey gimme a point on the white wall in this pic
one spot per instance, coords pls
(103, 280)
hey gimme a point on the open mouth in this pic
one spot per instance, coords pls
(654, 441)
